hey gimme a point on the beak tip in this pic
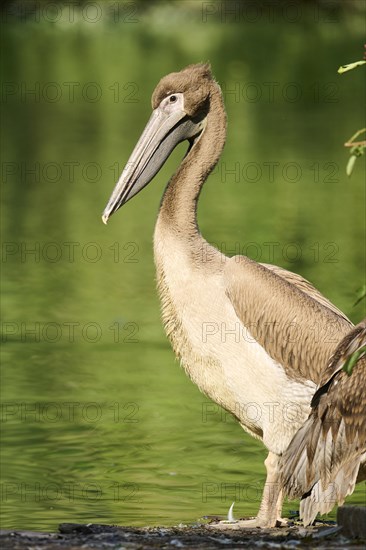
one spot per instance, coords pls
(105, 219)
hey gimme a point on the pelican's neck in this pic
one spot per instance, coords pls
(178, 210)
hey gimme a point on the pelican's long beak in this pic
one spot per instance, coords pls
(162, 133)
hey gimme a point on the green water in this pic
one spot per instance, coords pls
(99, 423)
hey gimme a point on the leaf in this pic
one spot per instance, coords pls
(344, 68)
(361, 294)
(352, 360)
(350, 164)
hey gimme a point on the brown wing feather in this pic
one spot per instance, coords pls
(305, 286)
(324, 458)
(295, 324)
(352, 342)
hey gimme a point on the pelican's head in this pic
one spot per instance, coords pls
(180, 105)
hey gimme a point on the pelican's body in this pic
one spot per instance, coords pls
(211, 341)
(243, 331)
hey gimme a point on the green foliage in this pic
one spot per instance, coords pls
(344, 68)
(352, 360)
(361, 294)
(357, 148)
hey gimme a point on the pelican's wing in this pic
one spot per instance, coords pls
(305, 286)
(291, 320)
(351, 343)
(327, 454)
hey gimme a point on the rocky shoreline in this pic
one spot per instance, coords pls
(348, 533)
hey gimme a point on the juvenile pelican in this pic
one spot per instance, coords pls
(277, 362)
(327, 456)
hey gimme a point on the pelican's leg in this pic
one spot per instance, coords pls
(269, 514)
(271, 506)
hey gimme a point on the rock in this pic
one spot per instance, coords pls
(353, 521)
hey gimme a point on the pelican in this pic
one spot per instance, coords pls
(267, 377)
(327, 456)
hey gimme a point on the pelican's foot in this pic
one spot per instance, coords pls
(249, 524)
(238, 524)
(266, 519)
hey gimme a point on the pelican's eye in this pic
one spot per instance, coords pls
(172, 103)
